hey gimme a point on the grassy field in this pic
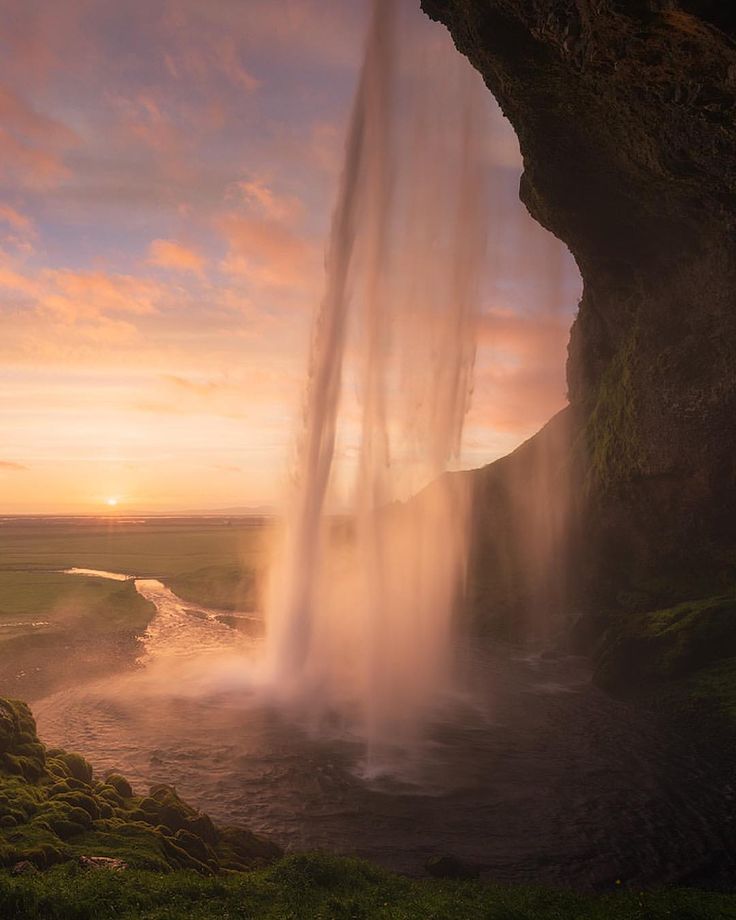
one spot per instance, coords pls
(154, 548)
(55, 627)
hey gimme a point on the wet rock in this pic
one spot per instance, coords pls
(78, 768)
(450, 867)
(120, 784)
(110, 863)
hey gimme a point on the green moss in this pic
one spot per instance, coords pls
(716, 687)
(120, 786)
(664, 646)
(611, 432)
(78, 767)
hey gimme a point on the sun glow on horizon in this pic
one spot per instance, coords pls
(112, 502)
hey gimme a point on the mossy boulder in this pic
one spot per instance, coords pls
(78, 767)
(120, 784)
(649, 649)
(52, 809)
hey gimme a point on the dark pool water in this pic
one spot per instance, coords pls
(533, 775)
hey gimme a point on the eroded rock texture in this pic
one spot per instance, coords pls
(625, 112)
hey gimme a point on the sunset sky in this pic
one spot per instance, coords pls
(167, 174)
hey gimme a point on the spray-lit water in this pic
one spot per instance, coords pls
(359, 623)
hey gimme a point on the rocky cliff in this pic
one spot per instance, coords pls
(625, 113)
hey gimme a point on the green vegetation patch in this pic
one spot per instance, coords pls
(686, 653)
(224, 587)
(35, 601)
(147, 549)
(56, 627)
(53, 810)
(613, 442)
(326, 888)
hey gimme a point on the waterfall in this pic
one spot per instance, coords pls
(361, 605)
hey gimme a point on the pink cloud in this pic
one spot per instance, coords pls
(21, 231)
(266, 252)
(19, 222)
(74, 295)
(175, 256)
(261, 198)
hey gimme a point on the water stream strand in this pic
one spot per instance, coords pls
(360, 626)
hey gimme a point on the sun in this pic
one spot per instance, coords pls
(111, 502)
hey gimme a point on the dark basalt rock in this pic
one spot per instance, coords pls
(625, 113)
(450, 867)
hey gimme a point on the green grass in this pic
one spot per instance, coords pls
(55, 626)
(66, 601)
(328, 888)
(223, 587)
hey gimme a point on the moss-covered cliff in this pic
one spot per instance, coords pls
(625, 112)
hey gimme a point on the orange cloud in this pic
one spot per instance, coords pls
(175, 256)
(85, 295)
(265, 251)
(93, 302)
(204, 388)
(12, 280)
(9, 466)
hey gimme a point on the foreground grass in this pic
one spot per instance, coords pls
(329, 888)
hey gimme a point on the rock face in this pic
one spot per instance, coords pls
(625, 113)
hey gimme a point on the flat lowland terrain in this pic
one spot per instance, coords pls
(56, 627)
